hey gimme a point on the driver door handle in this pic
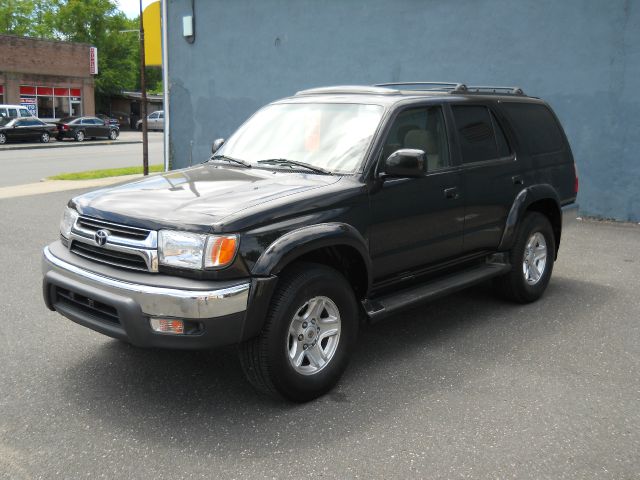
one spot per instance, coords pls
(451, 193)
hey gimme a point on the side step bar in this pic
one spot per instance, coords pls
(378, 308)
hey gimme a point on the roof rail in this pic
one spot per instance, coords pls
(429, 85)
(347, 89)
(452, 87)
(492, 89)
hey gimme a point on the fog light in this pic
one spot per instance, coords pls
(167, 325)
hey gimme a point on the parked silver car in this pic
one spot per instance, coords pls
(155, 121)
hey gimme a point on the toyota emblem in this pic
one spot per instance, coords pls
(101, 236)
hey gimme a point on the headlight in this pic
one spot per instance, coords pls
(196, 251)
(69, 217)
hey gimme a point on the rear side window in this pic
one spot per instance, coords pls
(481, 137)
(13, 113)
(537, 126)
(24, 112)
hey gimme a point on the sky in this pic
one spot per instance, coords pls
(131, 8)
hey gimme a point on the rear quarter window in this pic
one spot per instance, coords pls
(536, 126)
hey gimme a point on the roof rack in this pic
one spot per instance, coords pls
(491, 89)
(420, 85)
(348, 89)
(453, 87)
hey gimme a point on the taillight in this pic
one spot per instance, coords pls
(65, 127)
(576, 184)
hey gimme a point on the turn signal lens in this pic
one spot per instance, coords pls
(167, 325)
(220, 250)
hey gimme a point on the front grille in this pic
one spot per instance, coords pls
(96, 309)
(109, 257)
(124, 231)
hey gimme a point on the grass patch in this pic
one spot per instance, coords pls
(107, 172)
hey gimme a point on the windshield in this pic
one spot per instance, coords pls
(6, 121)
(331, 136)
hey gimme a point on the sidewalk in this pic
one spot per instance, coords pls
(51, 186)
(126, 137)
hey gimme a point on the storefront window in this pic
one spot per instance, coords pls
(62, 107)
(45, 107)
(1, 94)
(51, 102)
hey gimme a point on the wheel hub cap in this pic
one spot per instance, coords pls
(535, 258)
(314, 333)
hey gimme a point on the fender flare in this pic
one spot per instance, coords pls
(525, 197)
(306, 239)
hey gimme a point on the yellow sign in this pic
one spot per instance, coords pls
(152, 36)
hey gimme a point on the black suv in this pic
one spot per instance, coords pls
(327, 209)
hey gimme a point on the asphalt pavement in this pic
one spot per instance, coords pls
(466, 387)
(28, 165)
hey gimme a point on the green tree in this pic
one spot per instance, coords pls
(100, 23)
(32, 18)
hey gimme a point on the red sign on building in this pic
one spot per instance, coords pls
(93, 60)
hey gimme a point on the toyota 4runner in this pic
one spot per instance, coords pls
(326, 210)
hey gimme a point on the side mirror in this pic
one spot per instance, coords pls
(215, 146)
(406, 162)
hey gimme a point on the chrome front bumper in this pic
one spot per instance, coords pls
(154, 301)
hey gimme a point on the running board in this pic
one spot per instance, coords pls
(386, 305)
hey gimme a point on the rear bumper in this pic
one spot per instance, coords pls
(569, 215)
(122, 309)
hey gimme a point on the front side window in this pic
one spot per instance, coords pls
(332, 136)
(25, 113)
(422, 129)
(476, 134)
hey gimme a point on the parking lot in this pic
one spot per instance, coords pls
(467, 387)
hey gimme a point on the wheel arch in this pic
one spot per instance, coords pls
(536, 198)
(337, 245)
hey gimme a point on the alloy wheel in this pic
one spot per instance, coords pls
(535, 258)
(314, 333)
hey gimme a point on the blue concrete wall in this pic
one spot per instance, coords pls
(582, 56)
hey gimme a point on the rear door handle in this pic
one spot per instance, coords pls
(451, 193)
(517, 180)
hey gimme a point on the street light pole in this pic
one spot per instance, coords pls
(143, 106)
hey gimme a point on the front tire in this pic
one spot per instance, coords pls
(3, 139)
(113, 135)
(532, 258)
(308, 336)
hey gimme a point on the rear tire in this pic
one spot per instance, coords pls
(532, 258)
(308, 335)
(113, 135)
(79, 136)
(3, 139)
(45, 137)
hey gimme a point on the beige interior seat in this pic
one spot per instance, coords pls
(426, 141)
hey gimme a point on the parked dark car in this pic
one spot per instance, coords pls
(109, 120)
(28, 129)
(324, 213)
(81, 128)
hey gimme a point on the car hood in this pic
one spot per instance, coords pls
(196, 198)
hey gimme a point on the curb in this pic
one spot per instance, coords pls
(52, 186)
(67, 144)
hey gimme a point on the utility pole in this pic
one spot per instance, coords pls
(143, 106)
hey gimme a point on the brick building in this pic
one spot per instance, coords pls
(52, 78)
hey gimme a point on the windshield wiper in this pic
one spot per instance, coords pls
(286, 161)
(231, 159)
